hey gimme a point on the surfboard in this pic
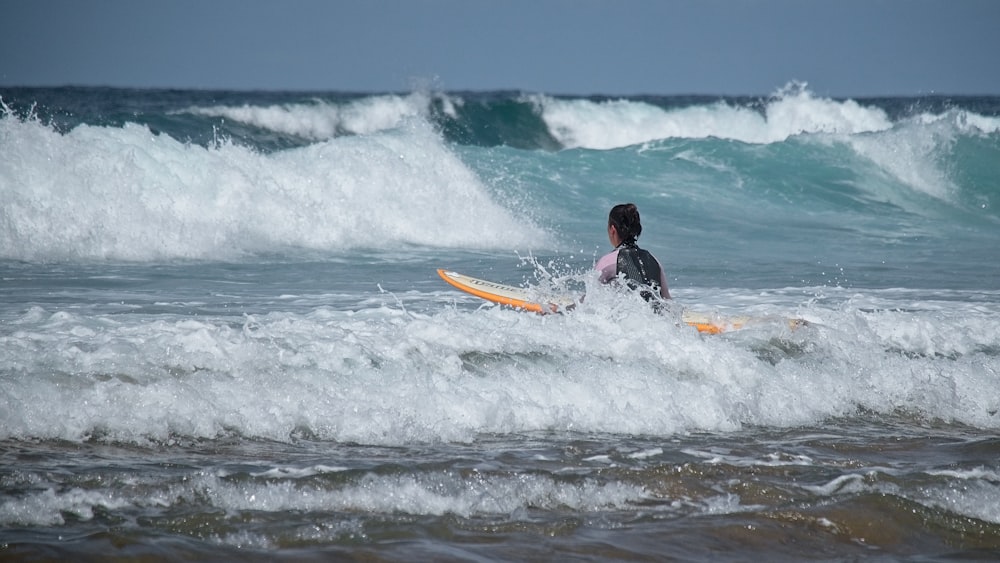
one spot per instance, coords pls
(517, 297)
(537, 302)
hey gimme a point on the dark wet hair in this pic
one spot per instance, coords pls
(625, 218)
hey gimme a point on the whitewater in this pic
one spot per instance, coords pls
(222, 333)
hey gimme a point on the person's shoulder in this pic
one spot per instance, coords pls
(607, 265)
(609, 257)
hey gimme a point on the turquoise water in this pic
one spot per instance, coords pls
(222, 333)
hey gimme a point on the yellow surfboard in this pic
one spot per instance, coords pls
(537, 302)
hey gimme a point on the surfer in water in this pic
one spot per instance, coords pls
(627, 262)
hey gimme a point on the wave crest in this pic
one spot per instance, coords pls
(125, 193)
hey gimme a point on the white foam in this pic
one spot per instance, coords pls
(124, 193)
(850, 483)
(978, 473)
(298, 472)
(728, 504)
(771, 460)
(321, 120)
(976, 498)
(435, 493)
(46, 507)
(465, 494)
(384, 376)
(646, 454)
(619, 123)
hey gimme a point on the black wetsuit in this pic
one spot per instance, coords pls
(641, 270)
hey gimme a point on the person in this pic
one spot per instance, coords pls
(627, 262)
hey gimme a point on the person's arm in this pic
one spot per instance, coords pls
(608, 266)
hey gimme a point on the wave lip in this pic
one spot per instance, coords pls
(321, 119)
(793, 110)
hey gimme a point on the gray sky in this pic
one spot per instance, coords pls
(840, 47)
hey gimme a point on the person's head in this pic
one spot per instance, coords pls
(623, 224)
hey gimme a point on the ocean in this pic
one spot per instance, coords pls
(222, 333)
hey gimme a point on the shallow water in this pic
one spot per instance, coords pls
(850, 488)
